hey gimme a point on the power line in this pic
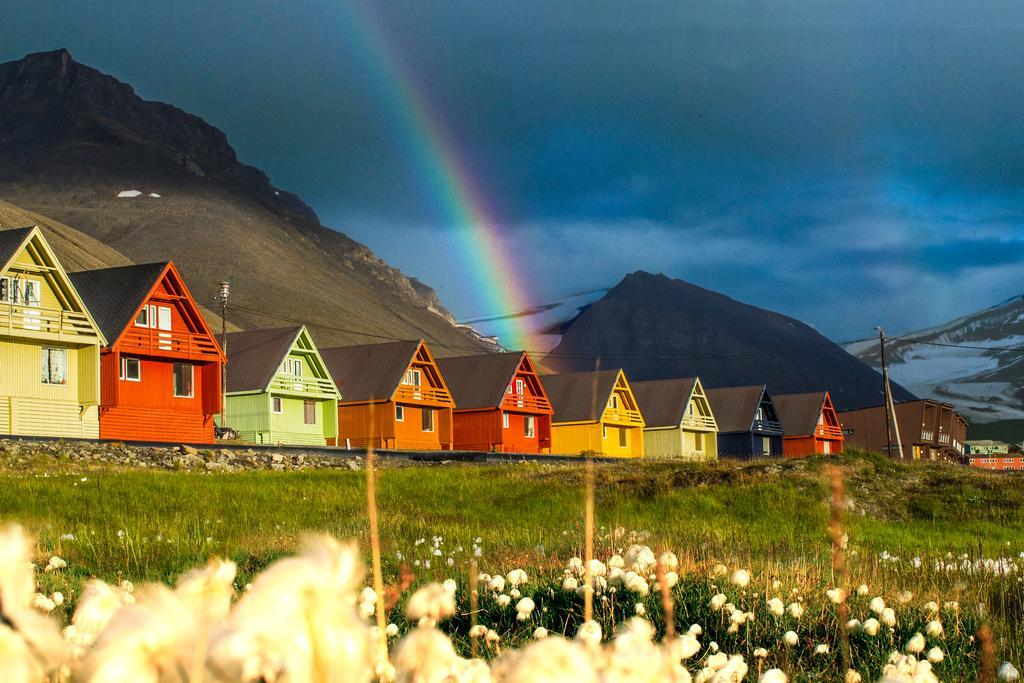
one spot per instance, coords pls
(913, 340)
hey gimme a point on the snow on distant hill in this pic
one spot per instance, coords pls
(982, 373)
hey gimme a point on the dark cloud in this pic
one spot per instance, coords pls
(850, 163)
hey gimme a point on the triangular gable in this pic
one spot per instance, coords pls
(32, 240)
(767, 399)
(525, 366)
(304, 342)
(698, 390)
(623, 384)
(421, 354)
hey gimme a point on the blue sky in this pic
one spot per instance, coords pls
(848, 163)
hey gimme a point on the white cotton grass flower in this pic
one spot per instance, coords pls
(790, 639)
(718, 602)
(597, 568)
(773, 676)
(1007, 672)
(821, 649)
(888, 617)
(760, 652)
(391, 630)
(636, 583)
(422, 656)
(862, 590)
(935, 655)
(853, 625)
(503, 600)
(478, 631)
(616, 562)
(639, 609)
(589, 633)
(904, 597)
(547, 660)
(640, 559)
(870, 626)
(575, 566)
(431, 602)
(43, 603)
(852, 676)
(695, 630)
(916, 644)
(497, 584)
(451, 586)
(740, 578)
(96, 606)
(300, 617)
(668, 561)
(670, 579)
(836, 595)
(933, 629)
(876, 605)
(58, 598)
(540, 633)
(524, 608)
(795, 610)
(930, 608)
(516, 577)
(776, 607)
(570, 584)
(492, 637)
(209, 590)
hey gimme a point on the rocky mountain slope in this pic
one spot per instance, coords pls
(975, 362)
(655, 327)
(153, 182)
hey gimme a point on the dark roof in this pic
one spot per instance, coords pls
(369, 371)
(799, 413)
(255, 355)
(735, 407)
(10, 240)
(479, 381)
(662, 402)
(572, 394)
(113, 295)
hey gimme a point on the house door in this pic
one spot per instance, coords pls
(163, 323)
(828, 448)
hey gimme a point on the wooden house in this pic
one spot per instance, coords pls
(809, 424)
(49, 344)
(160, 372)
(392, 396)
(928, 430)
(594, 413)
(279, 388)
(748, 424)
(678, 418)
(500, 404)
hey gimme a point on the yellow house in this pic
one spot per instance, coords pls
(678, 418)
(595, 412)
(49, 344)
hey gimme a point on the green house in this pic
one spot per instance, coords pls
(279, 390)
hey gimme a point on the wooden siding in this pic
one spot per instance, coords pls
(484, 430)
(747, 445)
(597, 438)
(249, 416)
(360, 425)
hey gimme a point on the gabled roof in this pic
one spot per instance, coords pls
(663, 402)
(735, 407)
(573, 396)
(799, 413)
(255, 355)
(480, 381)
(11, 241)
(369, 372)
(114, 295)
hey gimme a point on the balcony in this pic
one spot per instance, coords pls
(767, 427)
(622, 416)
(828, 432)
(927, 435)
(45, 322)
(302, 385)
(408, 393)
(699, 422)
(184, 345)
(524, 403)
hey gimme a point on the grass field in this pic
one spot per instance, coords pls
(770, 517)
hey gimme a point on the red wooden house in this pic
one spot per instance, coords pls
(810, 424)
(160, 375)
(500, 404)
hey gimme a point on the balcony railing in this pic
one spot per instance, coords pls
(302, 385)
(527, 404)
(829, 432)
(18, 319)
(699, 422)
(943, 438)
(767, 426)
(408, 393)
(623, 416)
(927, 435)
(147, 340)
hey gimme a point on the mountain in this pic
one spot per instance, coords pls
(655, 327)
(153, 182)
(985, 382)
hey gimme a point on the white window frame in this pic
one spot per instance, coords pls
(276, 405)
(413, 377)
(37, 286)
(613, 401)
(399, 413)
(143, 313)
(9, 289)
(124, 369)
(45, 354)
(529, 427)
(504, 420)
(423, 418)
(604, 431)
(520, 386)
(191, 384)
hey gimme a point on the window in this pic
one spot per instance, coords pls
(604, 431)
(399, 413)
(528, 427)
(412, 377)
(183, 380)
(623, 437)
(277, 405)
(32, 292)
(142, 319)
(54, 366)
(766, 445)
(309, 412)
(15, 290)
(292, 366)
(613, 402)
(6, 293)
(504, 420)
(519, 387)
(131, 369)
(698, 441)
(428, 419)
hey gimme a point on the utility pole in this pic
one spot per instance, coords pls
(225, 291)
(891, 425)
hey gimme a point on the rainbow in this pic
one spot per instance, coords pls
(444, 166)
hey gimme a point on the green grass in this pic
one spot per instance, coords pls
(769, 516)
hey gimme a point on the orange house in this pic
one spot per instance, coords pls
(393, 397)
(810, 424)
(160, 375)
(500, 403)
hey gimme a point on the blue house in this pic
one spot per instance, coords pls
(748, 424)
